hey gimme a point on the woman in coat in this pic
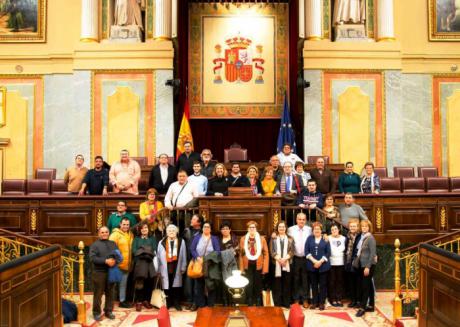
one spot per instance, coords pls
(318, 252)
(229, 252)
(366, 261)
(351, 275)
(149, 209)
(282, 252)
(172, 264)
(144, 250)
(252, 173)
(204, 244)
(218, 184)
(254, 260)
(370, 182)
(349, 181)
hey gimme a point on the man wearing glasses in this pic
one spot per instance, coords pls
(116, 217)
(208, 166)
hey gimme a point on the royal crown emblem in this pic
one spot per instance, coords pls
(239, 60)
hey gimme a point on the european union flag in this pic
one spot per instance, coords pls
(286, 134)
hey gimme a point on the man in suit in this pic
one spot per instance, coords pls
(162, 175)
(288, 185)
(323, 177)
(186, 159)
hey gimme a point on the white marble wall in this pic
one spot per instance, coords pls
(67, 119)
(164, 122)
(313, 114)
(408, 106)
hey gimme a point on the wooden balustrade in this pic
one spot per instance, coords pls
(67, 220)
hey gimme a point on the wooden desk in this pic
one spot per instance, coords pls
(258, 316)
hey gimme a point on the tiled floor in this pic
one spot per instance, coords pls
(330, 317)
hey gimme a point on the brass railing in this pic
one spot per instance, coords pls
(407, 269)
(13, 246)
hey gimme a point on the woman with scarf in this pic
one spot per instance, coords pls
(254, 260)
(365, 264)
(252, 173)
(351, 275)
(218, 184)
(370, 182)
(282, 252)
(172, 262)
(318, 252)
(204, 244)
(268, 183)
(144, 250)
(149, 209)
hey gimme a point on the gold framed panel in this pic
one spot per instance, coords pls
(210, 62)
(2, 106)
(443, 20)
(23, 21)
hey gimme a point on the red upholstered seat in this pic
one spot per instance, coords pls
(413, 185)
(163, 317)
(390, 185)
(381, 171)
(296, 316)
(45, 173)
(14, 187)
(235, 153)
(58, 187)
(403, 172)
(38, 186)
(311, 160)
(455, 184)
(437, 184)
(426, 172)
(142, 161)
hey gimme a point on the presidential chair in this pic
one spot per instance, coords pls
(390, 185)
(413, 185)
(437, 184)
(235, 153)
(403, 172)
(14, 187)
(311, 160)
(45, 173)
(38, 186)
(426, 172)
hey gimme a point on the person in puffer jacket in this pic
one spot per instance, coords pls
(123, 238)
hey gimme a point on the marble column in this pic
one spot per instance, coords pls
(174, 19)
(163, 12)
(89, 21)
(301, 18)
(313, 17)
(385, 23)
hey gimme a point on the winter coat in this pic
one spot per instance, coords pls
(163, 264)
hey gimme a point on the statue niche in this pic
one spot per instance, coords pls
(349, 20)
(127, 20)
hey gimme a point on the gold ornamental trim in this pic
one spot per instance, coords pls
(443, 218)
(378, 219)
(276, 217)
(99, 217)
(33, 220)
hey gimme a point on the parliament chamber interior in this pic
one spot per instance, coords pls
(229, 163)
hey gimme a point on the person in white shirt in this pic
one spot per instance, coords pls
(200, 181)
(180, 193)
(287, 155)
(337, 260)
(300, 233)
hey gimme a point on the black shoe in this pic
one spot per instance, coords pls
(97, 317)
(339, 304)
(369, 309)
(110, 315)
(334, 304)
(360, 313)
(352, 305)
(193, 307)
(125, 305)
(178, 307)
(321, 307)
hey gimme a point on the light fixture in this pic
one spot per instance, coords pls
(236, 284)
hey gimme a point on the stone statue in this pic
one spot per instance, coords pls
(128, 12)
(349, 12)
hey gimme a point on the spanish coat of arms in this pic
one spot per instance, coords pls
(239, 61)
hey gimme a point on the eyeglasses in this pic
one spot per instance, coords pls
(252, 227)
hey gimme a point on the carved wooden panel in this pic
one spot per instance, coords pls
(239, 221)
(15, 219)
(76, 220)
(399, 218)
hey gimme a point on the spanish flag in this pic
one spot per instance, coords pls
(185, 132)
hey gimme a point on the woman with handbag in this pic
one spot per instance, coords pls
(254, 260)
(318, 253)
(172, 264)
(144, 251)
(282, 252)
(204, 244)
(365, 263)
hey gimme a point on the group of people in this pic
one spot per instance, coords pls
(284, 176)
(319, 260)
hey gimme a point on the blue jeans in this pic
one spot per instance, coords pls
(189, 285)
(122, 286)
